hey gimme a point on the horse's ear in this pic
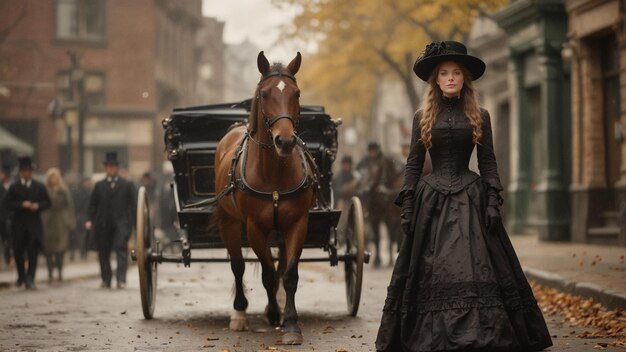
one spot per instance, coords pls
(294, 65)
(263, 64)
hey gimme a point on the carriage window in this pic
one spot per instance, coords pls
(80, 19)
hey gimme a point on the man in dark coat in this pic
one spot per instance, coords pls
(26, 198)
(111, 215)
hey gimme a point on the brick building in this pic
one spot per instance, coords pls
(596, 51)
(134, 61)
(211, 65)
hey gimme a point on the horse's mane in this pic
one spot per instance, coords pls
(254, 110)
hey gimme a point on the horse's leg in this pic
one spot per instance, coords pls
(230, 230)
(294, 241)
(281, 296)
(395, 233)
(258, 242)
(375, 222)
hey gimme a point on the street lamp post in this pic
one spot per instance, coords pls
(77, 79)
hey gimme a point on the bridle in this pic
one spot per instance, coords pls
(270, 121)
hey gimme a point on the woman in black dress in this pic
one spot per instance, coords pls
(457, 283)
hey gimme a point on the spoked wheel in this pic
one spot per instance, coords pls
(355, 254)
(146, 243)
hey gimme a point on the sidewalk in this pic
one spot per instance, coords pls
(592, 271)
(78, 269)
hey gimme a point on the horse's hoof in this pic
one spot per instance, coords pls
(292, 338)
(238, 321)
(271, 317)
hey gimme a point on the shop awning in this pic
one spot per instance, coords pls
(9, 142)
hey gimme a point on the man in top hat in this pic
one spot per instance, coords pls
(111, 215)
(26, 198)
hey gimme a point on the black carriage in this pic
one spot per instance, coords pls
(191, 138)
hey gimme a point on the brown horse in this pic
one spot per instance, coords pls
(264, 165)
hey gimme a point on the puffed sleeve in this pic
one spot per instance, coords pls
(415, 160)
(487, 163)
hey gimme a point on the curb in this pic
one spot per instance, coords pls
(608, 298)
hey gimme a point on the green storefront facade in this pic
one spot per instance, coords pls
(538, 197)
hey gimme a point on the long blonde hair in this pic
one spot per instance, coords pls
(431, 106)
(53, 171)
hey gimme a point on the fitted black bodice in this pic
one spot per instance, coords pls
(451, 150)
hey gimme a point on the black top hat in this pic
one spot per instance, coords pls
(373, 146)
(25, 162)
(438, 52)
(111, 159)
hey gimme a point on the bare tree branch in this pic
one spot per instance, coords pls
(4, 32)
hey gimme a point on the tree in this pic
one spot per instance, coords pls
(359, 41)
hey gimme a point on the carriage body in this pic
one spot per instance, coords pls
(191, 137)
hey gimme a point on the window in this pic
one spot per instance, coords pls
(94, 85)
(80, 19)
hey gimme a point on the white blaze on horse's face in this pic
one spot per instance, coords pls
(281, 85)
(282, 99)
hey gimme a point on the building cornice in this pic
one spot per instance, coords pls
(522, 12)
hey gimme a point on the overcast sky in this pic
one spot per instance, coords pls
(257, 20)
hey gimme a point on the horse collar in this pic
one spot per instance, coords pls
(274, 196)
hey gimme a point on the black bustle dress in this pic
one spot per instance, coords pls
(457, 285)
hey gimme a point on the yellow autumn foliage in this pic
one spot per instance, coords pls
(360, 41)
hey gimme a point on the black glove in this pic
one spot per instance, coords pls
(407, 212)
(492, 217)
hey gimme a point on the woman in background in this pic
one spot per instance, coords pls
(58, 222)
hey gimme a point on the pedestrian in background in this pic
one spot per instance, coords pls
(5, 183)
(379, 174)
(457, 283)
(81, 192)
(111, 215)
(345, 183)
(26, 198)
(58, 222)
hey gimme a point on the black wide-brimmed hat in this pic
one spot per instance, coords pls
(438, 52)
(25, 163)
(111, 159)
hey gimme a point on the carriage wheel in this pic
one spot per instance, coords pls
(355, 255)
(146, 243)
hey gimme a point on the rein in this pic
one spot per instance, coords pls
(307, 162)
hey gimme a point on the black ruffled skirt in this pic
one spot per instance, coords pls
(457, 285)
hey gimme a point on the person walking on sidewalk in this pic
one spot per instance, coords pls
(5, 183)
(58, 222)
(26, 198)
(111, 215)
(457, 283)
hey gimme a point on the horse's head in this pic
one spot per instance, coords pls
(278, 103)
